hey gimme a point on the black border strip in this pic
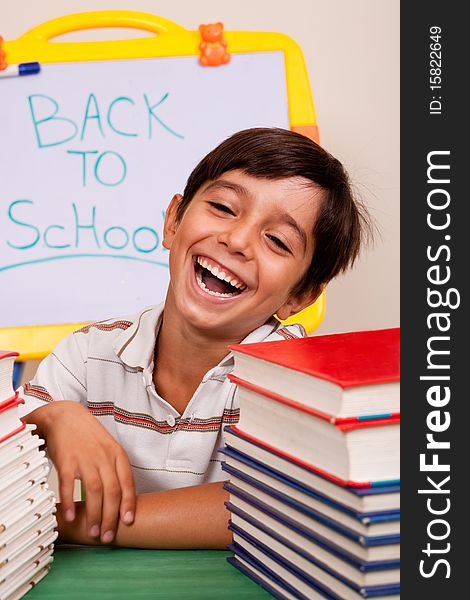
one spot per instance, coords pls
(439, 128)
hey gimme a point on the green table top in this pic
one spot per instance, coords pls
(86, 572)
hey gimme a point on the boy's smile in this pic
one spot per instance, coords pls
(216, 280)
(241, 246)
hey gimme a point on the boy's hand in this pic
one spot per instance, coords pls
(80, 447)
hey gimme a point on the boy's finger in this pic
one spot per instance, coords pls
(66, 485)
(93, 502)
(111, 503)
(126, 480)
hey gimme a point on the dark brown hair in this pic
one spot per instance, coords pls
(342, 222)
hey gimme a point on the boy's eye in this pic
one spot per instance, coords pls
(222, 208)
(279, 243)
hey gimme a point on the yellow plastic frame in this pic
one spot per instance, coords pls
(34, 342)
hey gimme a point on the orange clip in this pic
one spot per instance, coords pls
(3, 55)
(213, 46)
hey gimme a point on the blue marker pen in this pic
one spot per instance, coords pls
(31, 68)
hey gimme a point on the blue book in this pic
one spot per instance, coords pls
(291, 506)
(266, 578)
(254, 473)
(285, 518)
(297, 582)
(372, 499)
(335, 561)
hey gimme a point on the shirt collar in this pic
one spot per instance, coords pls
(258, 335)
(136, 345)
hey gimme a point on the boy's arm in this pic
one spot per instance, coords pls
(184, 518)
(80, 447)
(77, 443)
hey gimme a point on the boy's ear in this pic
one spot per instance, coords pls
(171, 222)
(295, 304)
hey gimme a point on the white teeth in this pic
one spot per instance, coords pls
(220, 275)
(203, 286)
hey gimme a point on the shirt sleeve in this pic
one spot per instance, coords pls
(60, 376)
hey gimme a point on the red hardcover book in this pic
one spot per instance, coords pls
(341, 375)
(350, 451)
(10, 422)
(7, 359)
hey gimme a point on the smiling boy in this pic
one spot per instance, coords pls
(265, 221)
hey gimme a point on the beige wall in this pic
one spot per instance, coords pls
(352, 53)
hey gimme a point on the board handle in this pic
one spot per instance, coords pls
(100, 19)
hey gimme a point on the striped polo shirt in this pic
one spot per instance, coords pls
(108, 367)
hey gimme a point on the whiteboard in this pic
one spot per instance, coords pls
(91, 154)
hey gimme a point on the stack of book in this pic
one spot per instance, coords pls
(27, 506)
(314, 465)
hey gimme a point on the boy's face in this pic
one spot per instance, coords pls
(256, 233)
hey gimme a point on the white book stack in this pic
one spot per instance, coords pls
(27, 506)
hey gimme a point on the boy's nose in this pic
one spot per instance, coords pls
(238, 240)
